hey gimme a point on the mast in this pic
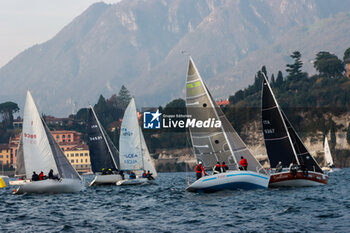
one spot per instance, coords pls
(280, 114)
(104, 137)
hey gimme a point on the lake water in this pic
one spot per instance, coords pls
(167, 207)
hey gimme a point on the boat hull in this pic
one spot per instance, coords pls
(137, 181)
(231, 180)
(286, 179)
(51, 186)
(19, 182)
(105, 180)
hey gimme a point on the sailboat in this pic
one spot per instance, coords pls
(134, 154)
(284, 146)
(328, 158)
(103, 154)
(221, 144)
(40, 152)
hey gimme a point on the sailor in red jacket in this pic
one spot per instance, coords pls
(243, 163)
(199, 170)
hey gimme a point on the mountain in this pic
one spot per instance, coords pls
(144, 45)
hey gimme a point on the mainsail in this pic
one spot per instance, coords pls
(327, 153)
(281, 140)
(130, 143)
(103, 153)
(212, 145)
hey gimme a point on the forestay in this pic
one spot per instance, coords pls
(212, 145)
(103, 153)
(130, 140)
(36, 148)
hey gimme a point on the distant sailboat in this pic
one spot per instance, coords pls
(284, 145)
(38, 151)
(134, 154)
(329, 166)
(103, 154)
(222, 144)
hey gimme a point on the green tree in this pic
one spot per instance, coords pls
(294, 70)
(346, 54)
(124, 97)
(348, 134)
(272, 80)
(7, 109)
(263, 69)
(328, 64)
(279, 80)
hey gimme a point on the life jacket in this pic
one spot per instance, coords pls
(224, 166)
(41, 176)
(243, 163)
(198, 169)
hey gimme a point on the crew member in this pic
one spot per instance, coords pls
(132, 175)
(144, 174)
(224, 167)
(293, 168)
(243, 164)
(199, 170)
(104, 172)
(109, 172)
(51, 176)
(149, 175)
(304, 169)
(279, 167)
(217, 168)
(41, 176)
(35, 177)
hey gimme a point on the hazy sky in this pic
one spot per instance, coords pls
(24, 23)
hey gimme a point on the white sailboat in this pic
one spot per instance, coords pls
(329, 167)
(40, 152)
(134, 154)
(222, 144)
(103, 154)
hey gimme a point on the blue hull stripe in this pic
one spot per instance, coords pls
(214, 178)
(248, 174)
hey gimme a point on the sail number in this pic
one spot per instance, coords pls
(268, 131)
(130, 159)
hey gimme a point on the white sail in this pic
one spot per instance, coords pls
(147, 160)
(327, 153)
(130, 143)
(37, 151)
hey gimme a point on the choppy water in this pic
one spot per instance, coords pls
(166, 207)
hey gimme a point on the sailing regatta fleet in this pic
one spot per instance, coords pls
(213, 140)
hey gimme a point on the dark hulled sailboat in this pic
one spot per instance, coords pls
(103, 153)
(284, 145)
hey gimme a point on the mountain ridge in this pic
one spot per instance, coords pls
(139, 44)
